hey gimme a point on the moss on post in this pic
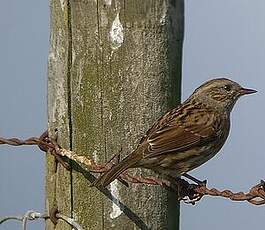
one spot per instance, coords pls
(114, 67)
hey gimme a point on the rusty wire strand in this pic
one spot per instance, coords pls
(189, 193)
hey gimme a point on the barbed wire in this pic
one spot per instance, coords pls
(189, 193)
(32, 215)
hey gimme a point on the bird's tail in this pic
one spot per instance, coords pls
(116, 170)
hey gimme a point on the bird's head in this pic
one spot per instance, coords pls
(221, 93)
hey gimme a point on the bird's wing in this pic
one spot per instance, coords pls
(180, 133)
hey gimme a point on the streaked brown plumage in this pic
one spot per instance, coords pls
(187, 136)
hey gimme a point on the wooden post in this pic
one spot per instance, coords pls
(114, 67)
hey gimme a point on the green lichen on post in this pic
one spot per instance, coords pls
(124, 73)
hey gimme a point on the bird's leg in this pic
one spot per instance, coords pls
(199, 182)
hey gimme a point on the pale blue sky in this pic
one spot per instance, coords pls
(223, 38)
(227, 38)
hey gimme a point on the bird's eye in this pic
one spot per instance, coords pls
(227, 88)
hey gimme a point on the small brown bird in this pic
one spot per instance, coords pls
(187, 136)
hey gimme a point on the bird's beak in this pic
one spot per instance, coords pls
(244, 91)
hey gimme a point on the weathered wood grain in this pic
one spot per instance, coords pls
(114, 67)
